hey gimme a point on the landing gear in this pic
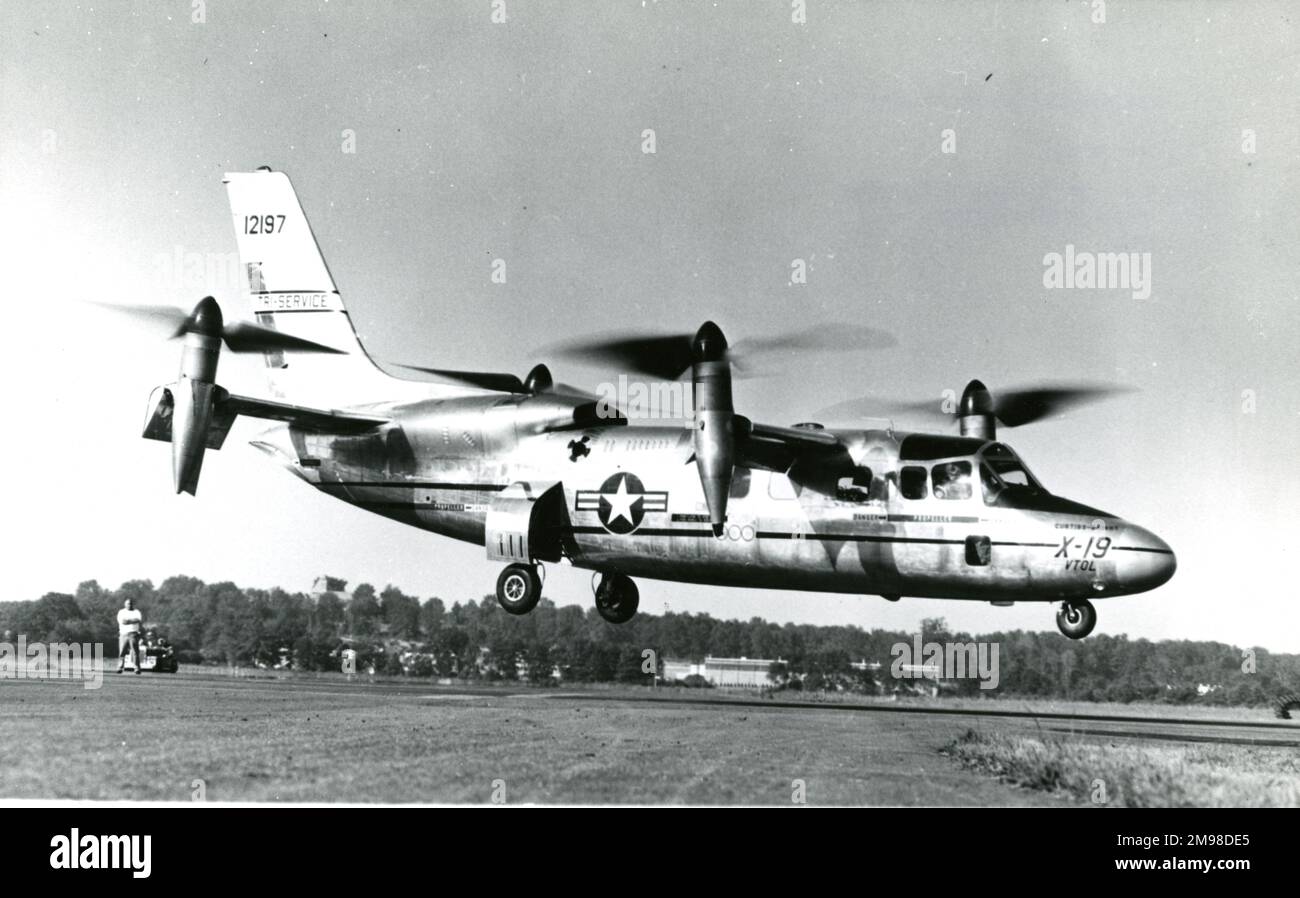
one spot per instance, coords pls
(617, 598)
(519, 588)
(1076, 619)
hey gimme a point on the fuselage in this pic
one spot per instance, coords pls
(897, 514)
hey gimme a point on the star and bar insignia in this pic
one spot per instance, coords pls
(621, 502)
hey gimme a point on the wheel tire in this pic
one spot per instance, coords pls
(1076, 619)
(617, 598)
(1286, 704)
(519, 588)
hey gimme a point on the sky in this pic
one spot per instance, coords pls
(1167, 129)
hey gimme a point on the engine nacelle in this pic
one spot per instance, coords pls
(194, 394)
(714, 436)
(192, 402)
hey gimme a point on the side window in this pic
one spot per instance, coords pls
(952, 480)
(855, 488)
(911, 482)
(780, 487)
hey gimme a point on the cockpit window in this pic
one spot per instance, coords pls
(951, 480)
(1002, 471)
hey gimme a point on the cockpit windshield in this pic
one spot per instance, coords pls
(1004, 475)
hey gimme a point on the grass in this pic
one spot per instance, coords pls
(269, 739)
(1137, 774)
(264, 736)
(1194, 711)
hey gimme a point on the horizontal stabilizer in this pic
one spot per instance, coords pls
(227, 406)
(323, 421)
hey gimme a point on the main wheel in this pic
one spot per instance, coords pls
(1076, 619)
(519, 588)
(617, 598)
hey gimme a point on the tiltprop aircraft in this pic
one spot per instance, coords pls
(537, 471)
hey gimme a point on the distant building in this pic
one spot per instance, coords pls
(678, 669)
(741, 673)
(736, 673)
(322, 585)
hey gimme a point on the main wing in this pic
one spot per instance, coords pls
(775, 448)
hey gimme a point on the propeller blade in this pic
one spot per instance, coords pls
(1013, 407)
(243, 336)
(669, 356)
(240, 336)
(876, 406)
(483, 380)
(1016, 407)
(829, 337)
(506, 383)
(169, 318)
(665, 356)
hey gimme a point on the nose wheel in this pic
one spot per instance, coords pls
(1076, 619)
(519, 588)
(617, 598)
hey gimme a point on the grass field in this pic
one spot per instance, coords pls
(303, 738)
(1138, 775)
(1043, 706)
(259, 740)
(814, 699)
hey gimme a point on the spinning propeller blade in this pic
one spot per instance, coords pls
(1012, 408)
(669, 356)
(537, 382)
(239, 336)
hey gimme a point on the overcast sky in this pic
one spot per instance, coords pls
(775, 141)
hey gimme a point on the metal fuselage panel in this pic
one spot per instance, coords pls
(634, 504)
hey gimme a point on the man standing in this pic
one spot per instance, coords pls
(129, 621)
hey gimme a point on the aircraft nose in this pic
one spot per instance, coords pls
(1147, 561)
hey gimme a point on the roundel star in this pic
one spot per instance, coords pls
(621, 502)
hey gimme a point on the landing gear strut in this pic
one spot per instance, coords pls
(519, 588)
(1076, 619)
(617, 598)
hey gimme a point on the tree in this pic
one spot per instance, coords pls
(363, 611)
(99, 606)
(40, 621)
(432, 613)
(401, 612)
(329, 615)
(233, 631)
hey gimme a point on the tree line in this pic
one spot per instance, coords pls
(395, 633)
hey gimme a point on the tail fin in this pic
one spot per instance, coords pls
(290, 289)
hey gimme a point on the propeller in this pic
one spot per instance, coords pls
(538, 381)
(239, 336)
(1012, 408)
(669, 356)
